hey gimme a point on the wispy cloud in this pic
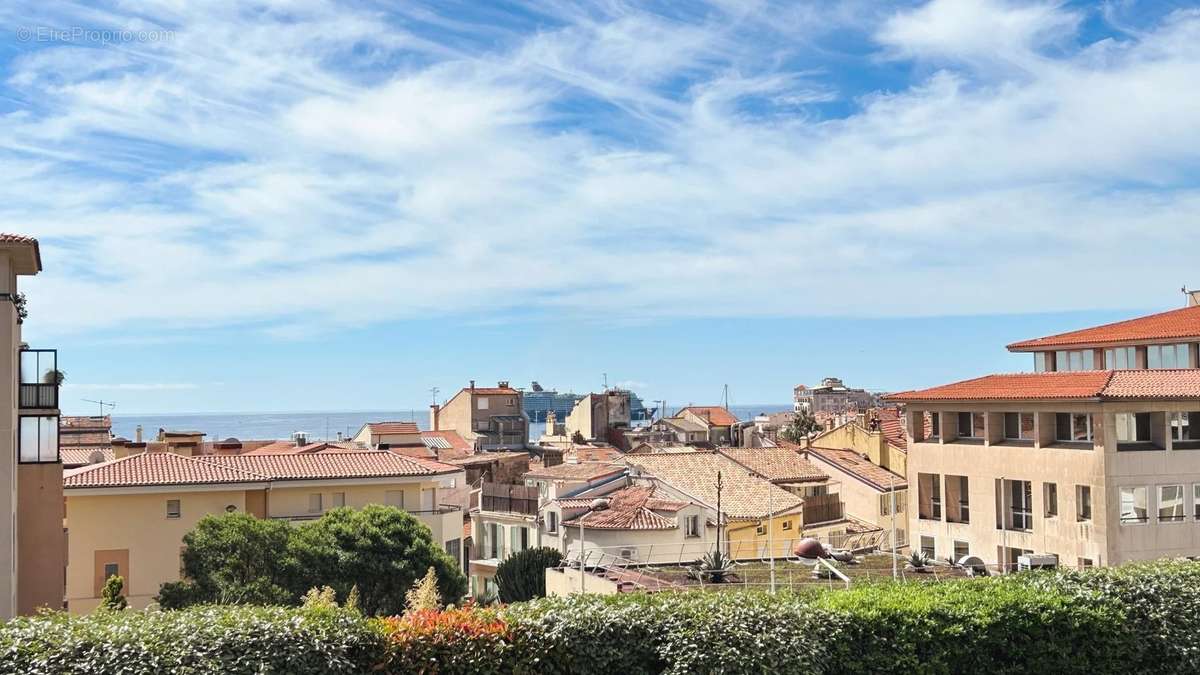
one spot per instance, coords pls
(269, 165)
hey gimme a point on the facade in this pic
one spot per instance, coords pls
(128, 516)
(717, 422)
(387, 434)
(84, 440)
(1094, 466)
(489, 418)
(32, 545)
(831, 396)
(595, 414)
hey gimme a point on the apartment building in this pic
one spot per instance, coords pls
(595, 414)
(1096, 466)
(32, 546)
(831, 396)
(128, 516)
(489, 418)
(716, 421)
(387, 434)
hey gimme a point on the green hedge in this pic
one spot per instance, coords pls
(1140, 618)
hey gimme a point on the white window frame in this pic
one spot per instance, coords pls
(552, 522)
(1158, 503)
(1156, 353)
(1120, 504)
(932, 545)
(1091, 433)
(481, 403)
(178, 509)
(1113, 355)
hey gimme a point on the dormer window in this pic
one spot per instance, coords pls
(1167, 356)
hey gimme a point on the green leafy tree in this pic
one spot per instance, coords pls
(803, 425)
(112, 596)
(522, 575)
(234, 558)
(381, 549)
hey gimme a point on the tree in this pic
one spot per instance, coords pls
(381, 549)
(112, 596)
(522, 575)
(803, 425)
(423, 596)
(233, 558)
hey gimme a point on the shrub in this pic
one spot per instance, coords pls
(112, 596)
(233, 558)
(712, 567)
(522, 576)
(423, 596)
(197, 640)
(465, 640)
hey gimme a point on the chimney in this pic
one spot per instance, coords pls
(300, 438)
(434, 410)
(339, 437)
(502, 384)
(472, 385)
(137, 436)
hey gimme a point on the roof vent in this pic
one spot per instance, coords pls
(599, 504)
(300, 438)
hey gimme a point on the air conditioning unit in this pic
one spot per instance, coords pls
(1037, 561)
(628, 553)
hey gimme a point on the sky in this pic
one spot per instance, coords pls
(308, 205)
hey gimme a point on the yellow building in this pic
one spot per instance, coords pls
(128, 516)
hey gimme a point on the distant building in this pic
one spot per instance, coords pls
(489, 418)
(595, 415)
(831, 396)
(85, 439)
(387, 434)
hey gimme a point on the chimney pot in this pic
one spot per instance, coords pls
(137, 437)
(472, 385)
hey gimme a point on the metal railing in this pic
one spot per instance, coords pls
(38, 396)
(823, 509)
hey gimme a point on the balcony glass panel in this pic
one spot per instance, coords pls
(38, 439)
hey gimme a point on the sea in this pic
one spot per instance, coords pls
(317, 425)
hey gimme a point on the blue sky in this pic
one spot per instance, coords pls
(309, 205)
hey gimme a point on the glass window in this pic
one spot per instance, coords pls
(1021, 504)
(1050, 499)
(964, 424)
(787, 524)
(1061, 362)
(1083, 502)
(1196, 501)
(38, 440)
(1167, 356)
(1073, 427)
(314, 503)
(1120, 358)
(1018, 426)
(1133, 505)
(111, 570)
(1133, 427)
(1170, 503)
(552, 522)
(927, 546)
(935, 424)
(978, 422)
(483, 402)
(1084, 359)
(172, 508)
(1040, 362)
(339, 500)
(693, 526)
(962, 549)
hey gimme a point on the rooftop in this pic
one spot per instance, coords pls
(156, 468)
(576, 471)
(742, 495)
(1171, 384)
(776, 464)
(393, 428)
(892, 427)
(860, 467)
(631, 508)
(715, 414)
(1170, 325)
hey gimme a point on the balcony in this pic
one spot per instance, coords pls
(823, 509)
(40, 378)
(502, 498)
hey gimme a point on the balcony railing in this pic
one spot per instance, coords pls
(502, 498)
(40, 378)
(823, 509)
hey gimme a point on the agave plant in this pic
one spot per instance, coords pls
(918, 559)
(712, 567)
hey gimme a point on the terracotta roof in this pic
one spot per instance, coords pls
(892, 427)
(393, 428)
(82, 455)
(290, 448)
(581, 471)
(742, 495)
(487, 391)
(346, 464)
(486, 458)
(631, 508)
(1089, 384)
(856, 465)
(715, 414)
(1017, 386)
(157, 468)
(453, 438)
(1170, 325)
(776, 464)
(594, 454)
(6, 238)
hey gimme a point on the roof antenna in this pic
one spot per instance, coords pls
(103, 404)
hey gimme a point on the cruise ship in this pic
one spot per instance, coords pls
(538, 402)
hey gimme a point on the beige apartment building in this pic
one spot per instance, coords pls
(128, 516)
(1094, 466)
(594, 414)
(489, 418)
(32, 547)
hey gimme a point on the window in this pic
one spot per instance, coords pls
(172, 508)
(39, 439)
(1183, 433)
(693, 526)
(885, 502)
(339, 500)
(1196, 501)
(813, 490)
(1018, 426)
(958, 503)
(927, 546)
(394, 498)
(1041, 362)
(492, 535)
(1170, 504)
(1084, 359)
(971, 425)
(1167, 356)
(962, 549)
(761, 530)
(1120, 358)
(552, 522)
(929, 496)
(111, 570)
(1133, 505)
(314, 503)
(1132, 427)
(1050, 499)
(1085, 562)
(935, 424)
(482, 402)
(1020, 494)
(428, 500)
(1083, 503)
(787, 525)
(1070, 427)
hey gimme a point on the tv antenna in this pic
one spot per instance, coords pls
(103, 404)
(434, 391)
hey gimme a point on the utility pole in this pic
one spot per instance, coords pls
(895, 571)
(719, 484)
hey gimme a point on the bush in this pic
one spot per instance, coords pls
(522, 576)
(112, 596)
(195, 641)
(466, 640)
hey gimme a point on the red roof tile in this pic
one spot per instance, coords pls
(489, 391)
(776, 464)
(1154, 384)
(347, 464)
(860, 467)
(715, 414)
(1170, 325)
(631, 508)
(584, 471)
(1016, 387)
(6, 238)
(157, 468)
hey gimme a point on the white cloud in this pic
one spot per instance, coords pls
(281, 169)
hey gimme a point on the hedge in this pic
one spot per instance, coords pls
(1139, 618)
